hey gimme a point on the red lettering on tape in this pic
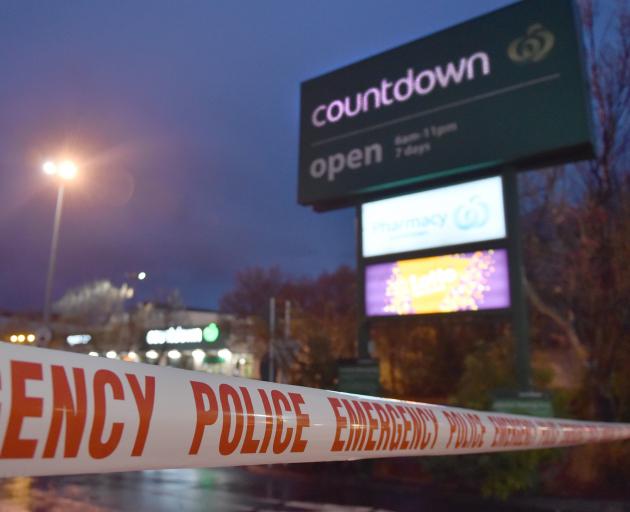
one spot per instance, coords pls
(226, 394)
(64, 407)
(279, 444)
(268, 421)
(22, 406)
(98, 448)
(205, 415)
(466, 430)
(250, 445)
(144, 403)
(302, 420)
(341, 423)
(283, 420)
(359, 423)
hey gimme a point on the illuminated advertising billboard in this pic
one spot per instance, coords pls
(504, 88)
(458, 214)
(439, 284)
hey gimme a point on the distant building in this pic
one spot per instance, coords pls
(198, 339)
(192, 338)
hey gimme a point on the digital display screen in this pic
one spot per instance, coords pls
(439, 284)
(464, 213)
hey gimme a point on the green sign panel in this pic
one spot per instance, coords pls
(361, 377)
(506, 88)
(532, 403)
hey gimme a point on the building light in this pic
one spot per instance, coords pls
(111, 354)
(78, 339)
(198, 355)
(94, 354)
(30, 338)
(131, 356)
(13, 338)
(225, 354)
(174, 354)
(152, 354)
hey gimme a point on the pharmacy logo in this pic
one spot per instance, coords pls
(472, 214)
(532, 47)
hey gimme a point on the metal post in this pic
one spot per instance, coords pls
(272, 334)
(364, 339)
(363, 326)
(287, 320)
(53, 257)
(520, 327)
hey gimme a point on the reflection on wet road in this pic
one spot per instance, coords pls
(229, 489)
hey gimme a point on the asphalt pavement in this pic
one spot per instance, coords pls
(228, 489)
(256, 489)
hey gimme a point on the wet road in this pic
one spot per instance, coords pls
(230, 489)
(249, 490)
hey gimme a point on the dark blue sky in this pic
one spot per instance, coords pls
(184, 119)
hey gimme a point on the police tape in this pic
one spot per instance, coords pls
(64, 413)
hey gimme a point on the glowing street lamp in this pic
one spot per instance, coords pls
(49, 168)
(65, 170)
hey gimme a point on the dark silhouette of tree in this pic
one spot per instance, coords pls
(322, 325)
(577, 223)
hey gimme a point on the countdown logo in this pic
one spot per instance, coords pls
(413, 83)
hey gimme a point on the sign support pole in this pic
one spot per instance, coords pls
(363, 326)
(364, 339)
(520, 327)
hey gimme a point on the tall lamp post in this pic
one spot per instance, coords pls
(62, 171)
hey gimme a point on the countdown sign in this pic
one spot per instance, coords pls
(507, 88)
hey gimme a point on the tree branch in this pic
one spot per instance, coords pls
(564, 324)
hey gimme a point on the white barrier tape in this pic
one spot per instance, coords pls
(64, 413)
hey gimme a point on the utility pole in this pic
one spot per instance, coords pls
(287, 320)
(272, 334)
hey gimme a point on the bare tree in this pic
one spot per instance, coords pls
(94, 303)
(578, 221)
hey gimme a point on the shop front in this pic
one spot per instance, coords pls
(202, 348)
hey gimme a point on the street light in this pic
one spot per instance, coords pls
(65, 170)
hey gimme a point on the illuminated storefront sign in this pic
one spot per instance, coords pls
(174, 335)
(78, 339)
(504, 88)
(180, 335)
(458, 214)
(439, 284)
(211, 332)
